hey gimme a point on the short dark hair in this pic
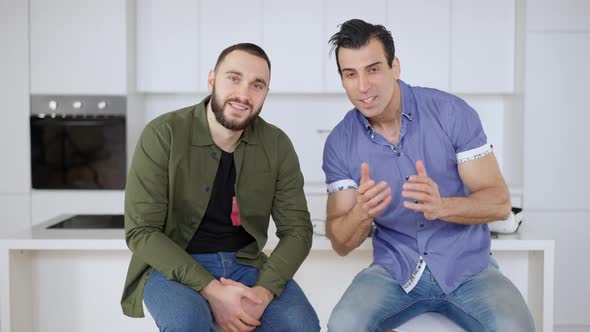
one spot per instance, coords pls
(249, 48)
(357, 33)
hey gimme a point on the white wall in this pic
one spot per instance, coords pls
(15, 180)
(556, 117)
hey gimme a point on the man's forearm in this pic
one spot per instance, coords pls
(483, 206)
(285, 259)
(349, 231)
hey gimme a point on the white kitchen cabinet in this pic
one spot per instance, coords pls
(14, 92)
(78, 47)
(307, 127)
(423, 49)
(482, 46)
(167, 46)
(563, 15)
(293, 39)
(336, 13)
(491, 112)
(556, 121)
(224, 23)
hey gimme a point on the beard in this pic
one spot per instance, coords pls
(218, 106)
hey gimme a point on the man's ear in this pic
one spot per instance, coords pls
(210, 80)
(396, 68)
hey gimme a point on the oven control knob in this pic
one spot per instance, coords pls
(53, 105)
(102, 105)
(77, 105)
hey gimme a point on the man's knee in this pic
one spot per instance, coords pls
(348, 319)
(517, 320)
(185, 323)
(294, 319)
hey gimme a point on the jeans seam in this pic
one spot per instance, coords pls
(224, 272)
(460, 307)
(397, 312)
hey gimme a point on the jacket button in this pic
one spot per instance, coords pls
(206, 189)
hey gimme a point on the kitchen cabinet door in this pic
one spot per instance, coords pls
(167, 46)
(556, 121)
(336, 13)
(308, 123)
(563, 15)
(421, 33)
(78, 47)
(293, 39)
(224, 23)
(15, 168)
(482, 46)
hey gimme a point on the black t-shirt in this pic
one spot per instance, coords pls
(220, 230)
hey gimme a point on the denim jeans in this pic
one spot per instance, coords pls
(488, 301)
(177, 307)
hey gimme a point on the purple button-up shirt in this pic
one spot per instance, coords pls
(443, 131)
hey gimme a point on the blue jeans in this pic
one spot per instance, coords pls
(177, 307)
(488, 301)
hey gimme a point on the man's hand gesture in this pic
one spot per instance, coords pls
(371, 198)
(424, 191)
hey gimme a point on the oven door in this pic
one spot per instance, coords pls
(78, 152)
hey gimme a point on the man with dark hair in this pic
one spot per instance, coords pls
(203, 183)
(433, 185)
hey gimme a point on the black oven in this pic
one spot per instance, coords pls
(78, 142)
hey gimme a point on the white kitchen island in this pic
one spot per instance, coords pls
(71, 280)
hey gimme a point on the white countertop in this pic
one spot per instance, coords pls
(41, 238)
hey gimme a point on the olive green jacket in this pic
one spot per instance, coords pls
(168, 189)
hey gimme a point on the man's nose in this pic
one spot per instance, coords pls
(364, 83)
(243, 91)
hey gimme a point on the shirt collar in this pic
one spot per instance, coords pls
(407, 107)
(201, 134)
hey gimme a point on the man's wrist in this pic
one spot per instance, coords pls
(268, 295)
(445, 208)
(211, 288)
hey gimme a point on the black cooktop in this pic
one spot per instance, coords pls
(92, 221)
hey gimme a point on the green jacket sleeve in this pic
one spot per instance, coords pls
(291, 216)
(146, 211)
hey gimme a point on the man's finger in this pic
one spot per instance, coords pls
(365, 186)
(372, 192)
(249, 294)
(230, 282)
(364, 173)
(376, 211)
(244, 318)
(379, 197)
(417, 187)
(417, 196)
(415, 206)
(420, 168)
(237, 325)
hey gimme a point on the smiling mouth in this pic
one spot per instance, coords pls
(368, 100)
(238, 106)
